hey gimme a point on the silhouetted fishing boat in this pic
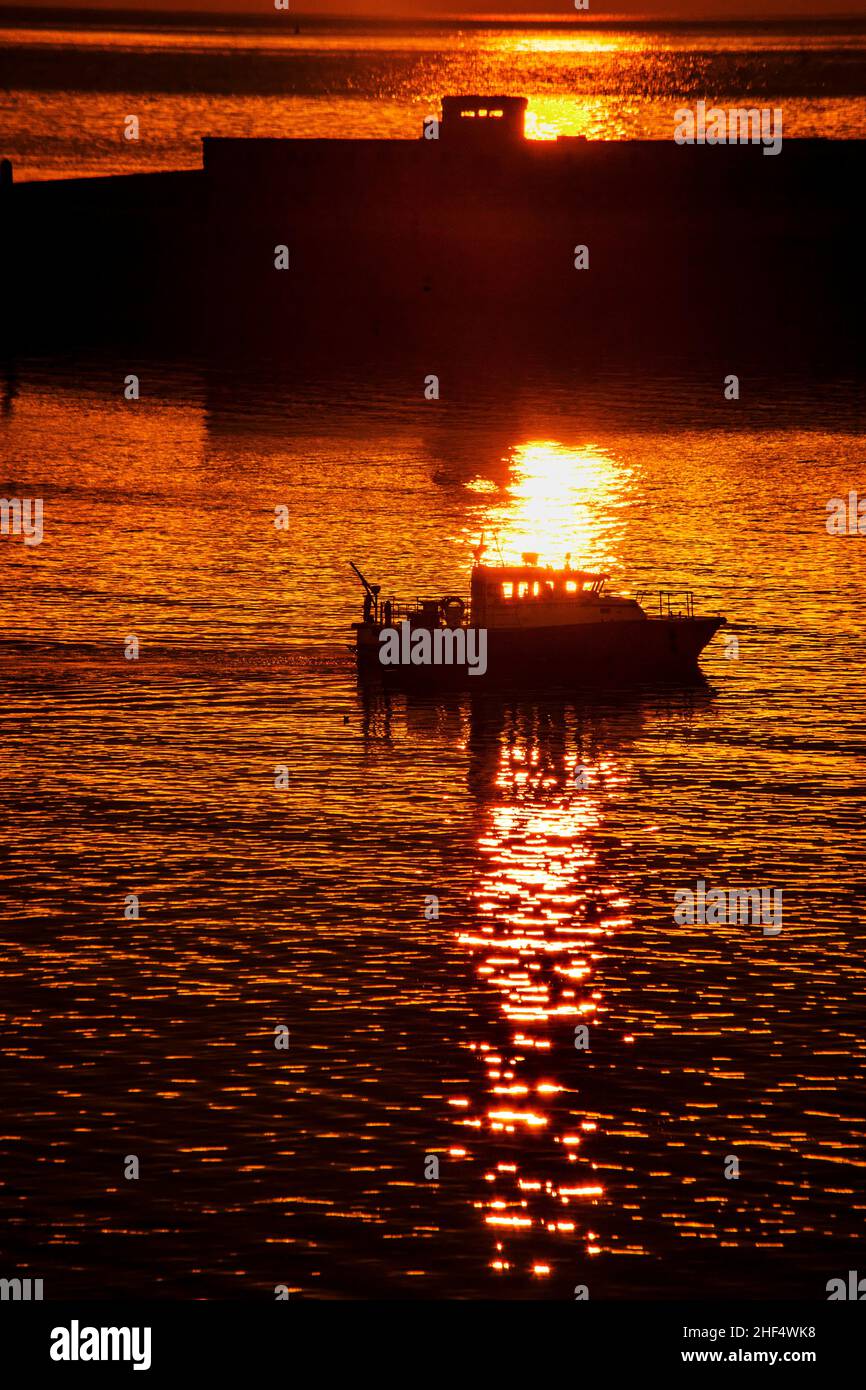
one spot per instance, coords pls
(530, 624)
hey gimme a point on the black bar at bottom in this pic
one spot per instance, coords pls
(406, 1342)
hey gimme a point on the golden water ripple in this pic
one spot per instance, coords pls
(452, 1037)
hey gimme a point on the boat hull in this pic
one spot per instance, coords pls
(578, 654)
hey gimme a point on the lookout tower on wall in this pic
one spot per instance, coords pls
(477, 122)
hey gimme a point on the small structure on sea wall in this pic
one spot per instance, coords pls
(483, 121)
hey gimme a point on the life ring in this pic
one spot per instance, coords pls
(452, 608)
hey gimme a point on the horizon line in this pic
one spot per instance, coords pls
(147, 10)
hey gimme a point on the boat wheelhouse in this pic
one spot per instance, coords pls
(536, 624)
(527, 595)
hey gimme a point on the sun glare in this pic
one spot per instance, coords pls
(562, 500)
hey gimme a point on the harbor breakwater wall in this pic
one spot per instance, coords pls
(422, 241)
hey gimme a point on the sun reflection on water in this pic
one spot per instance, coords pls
(542, 911)
(562, 500)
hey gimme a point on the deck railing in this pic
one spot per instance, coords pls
(668, 603)
(399, 611)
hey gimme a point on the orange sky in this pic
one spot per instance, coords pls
(611, 9)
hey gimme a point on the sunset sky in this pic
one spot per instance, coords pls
(407, 9)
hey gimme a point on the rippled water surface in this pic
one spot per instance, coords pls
(69, 90)
(415, 1037)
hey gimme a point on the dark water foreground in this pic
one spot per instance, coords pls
(414, 1037)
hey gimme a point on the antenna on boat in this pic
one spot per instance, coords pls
(479, 550)
(499, 548)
